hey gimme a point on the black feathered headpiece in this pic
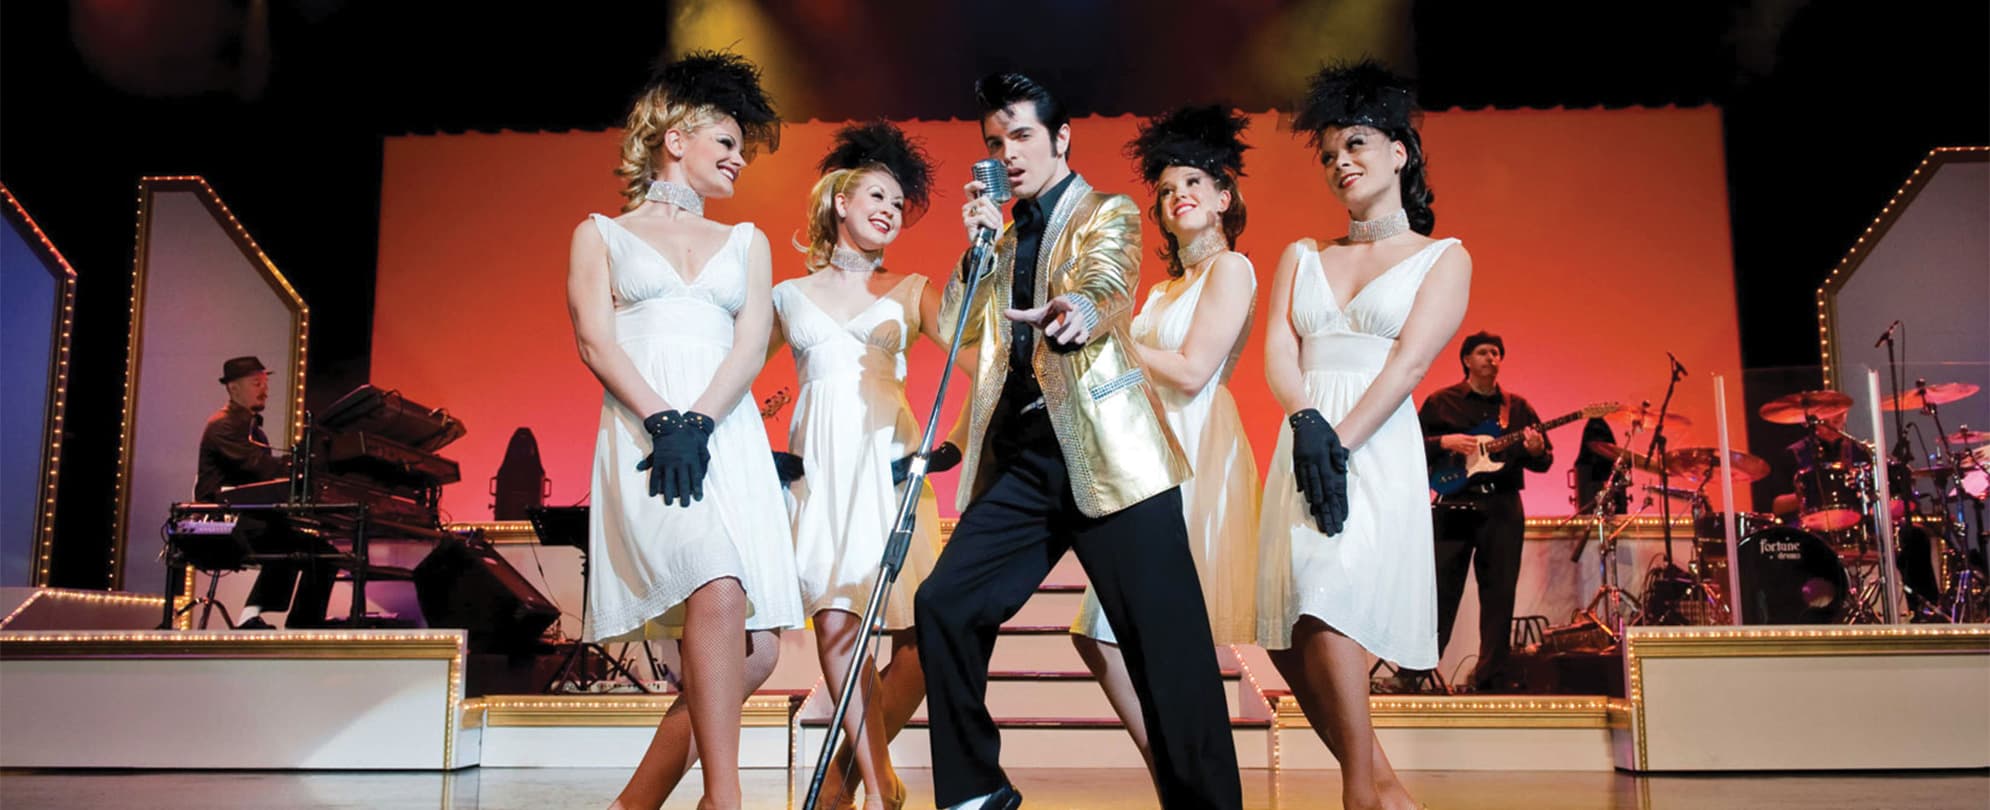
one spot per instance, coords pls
(1201, 137)
(880, 143)
(727, 82)
(1360, 93)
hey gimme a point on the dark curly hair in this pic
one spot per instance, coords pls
(1365, 93)
(688, 93)
(1202, 138)
(859, 149)
(879, 144)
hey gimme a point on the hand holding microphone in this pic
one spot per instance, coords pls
(982, 215)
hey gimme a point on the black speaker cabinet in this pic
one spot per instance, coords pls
(467, 585)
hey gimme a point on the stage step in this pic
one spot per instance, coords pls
(1052, 605)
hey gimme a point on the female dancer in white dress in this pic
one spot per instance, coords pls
(849, 323)
(671, 311)
(1187, 337)
(1346, 549)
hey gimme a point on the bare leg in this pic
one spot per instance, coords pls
(901, 688)
(714, 651)
(1328, 673)
(1109, 666)
(903, 683)
(672, 751)
(837, 634)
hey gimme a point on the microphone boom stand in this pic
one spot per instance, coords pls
(900, 539)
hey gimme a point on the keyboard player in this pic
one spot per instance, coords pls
(234, 451)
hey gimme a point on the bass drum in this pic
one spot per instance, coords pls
(1790, 576)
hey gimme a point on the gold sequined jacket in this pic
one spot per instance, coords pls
(1109, 423)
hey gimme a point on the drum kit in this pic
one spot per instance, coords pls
(1815, 558)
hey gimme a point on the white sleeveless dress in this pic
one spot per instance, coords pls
(646, 556)
(1376, 581)
(851, 422)
(1220, 502)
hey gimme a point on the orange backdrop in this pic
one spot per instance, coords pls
(1599, 238)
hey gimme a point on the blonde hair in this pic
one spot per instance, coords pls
(654, 114)
(822, 218)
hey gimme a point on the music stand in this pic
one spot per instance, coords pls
(567, 526)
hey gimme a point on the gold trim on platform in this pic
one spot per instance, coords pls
(473, 711)
(153, 602)
(1619, 713)
(1734, 642)
(618, 711)
(1441, 711)
(498, 532)
(441, 645)
(1539, 529)
(300, 335)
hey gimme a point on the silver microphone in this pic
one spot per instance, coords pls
(994, 178)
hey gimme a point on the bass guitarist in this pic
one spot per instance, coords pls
(1485, 515)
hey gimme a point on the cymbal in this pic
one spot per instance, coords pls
(1699, 464)
(1935, 471)
(1632, 413)
(1792, 409)
(1937, 393)
(1966, 436)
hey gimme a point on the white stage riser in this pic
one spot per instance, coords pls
(227, 713)
(1915, 701)
(1095, 747)
(610, 746)
(1463, 749)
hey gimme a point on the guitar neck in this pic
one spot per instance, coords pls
(1515, 437)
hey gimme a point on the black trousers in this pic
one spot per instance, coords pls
(1138, 560)
(277, 582)
(1492, 532)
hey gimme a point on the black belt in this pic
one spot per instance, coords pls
(1487, 488)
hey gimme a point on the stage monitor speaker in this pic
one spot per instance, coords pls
(468, 585)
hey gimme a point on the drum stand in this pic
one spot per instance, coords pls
(1609, 596)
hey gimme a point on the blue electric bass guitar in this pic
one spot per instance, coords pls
(1454, 473)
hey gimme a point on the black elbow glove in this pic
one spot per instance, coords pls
(678, 455)
(943, 458)
(1319, 466)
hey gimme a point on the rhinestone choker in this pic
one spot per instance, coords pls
(1198, 250)
(677, 194)
(1376, 230)
(843, 258)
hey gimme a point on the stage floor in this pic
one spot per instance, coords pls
(767, 789)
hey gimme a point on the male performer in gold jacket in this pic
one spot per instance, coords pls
(1066, 448)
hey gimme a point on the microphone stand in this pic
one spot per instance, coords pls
(900, 539)
(1901, 451)
(1658, 446)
